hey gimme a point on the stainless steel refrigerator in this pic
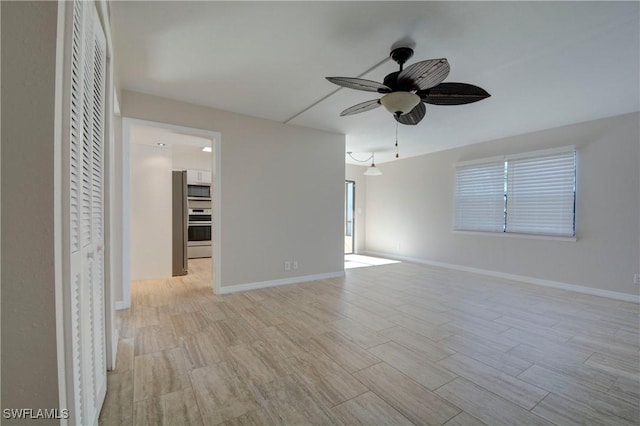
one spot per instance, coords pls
(179, 221)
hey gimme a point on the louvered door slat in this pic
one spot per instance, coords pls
(88, 337)
(87, 127)
(98, 139)
(76, 241)
(76, 346)
(75, 126)
(97, 208)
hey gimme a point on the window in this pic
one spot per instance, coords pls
(480, 196)
(531, 193)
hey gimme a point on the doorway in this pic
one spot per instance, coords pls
(349, 216)
(172, 147)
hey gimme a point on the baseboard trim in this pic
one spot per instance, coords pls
(522, 278)
(121, 304)
(275, 283)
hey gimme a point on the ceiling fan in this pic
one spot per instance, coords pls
(406, 91)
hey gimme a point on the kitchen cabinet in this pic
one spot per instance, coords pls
(198, 177)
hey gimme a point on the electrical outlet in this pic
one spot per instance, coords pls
(287, 266)
(295, 265)
(636, 278)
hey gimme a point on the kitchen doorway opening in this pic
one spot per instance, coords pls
(349, 216)
(152, 153)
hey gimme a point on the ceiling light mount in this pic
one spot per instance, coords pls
(401, 55)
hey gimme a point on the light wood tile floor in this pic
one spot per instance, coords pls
(392, 344)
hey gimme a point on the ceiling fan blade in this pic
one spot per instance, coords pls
(414, 116)
(361, 107)
(424, 74)
(359, 84)
(453, 94)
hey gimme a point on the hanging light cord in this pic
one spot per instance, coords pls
(360, 161)
(397, 155)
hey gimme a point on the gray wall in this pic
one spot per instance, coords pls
(29, 354)
(410, 210)
(282, 190)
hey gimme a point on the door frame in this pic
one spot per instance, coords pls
(216, 216)
(353, 214)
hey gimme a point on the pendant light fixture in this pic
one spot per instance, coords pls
(371, 170)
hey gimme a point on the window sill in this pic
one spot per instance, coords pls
(517, 235)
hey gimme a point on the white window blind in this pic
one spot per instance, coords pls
(532, 193)
(479, 198)
(541, 194)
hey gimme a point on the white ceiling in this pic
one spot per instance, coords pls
(185, 149)
(150, 135)
(546, 64)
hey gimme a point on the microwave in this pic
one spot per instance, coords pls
(199, 191)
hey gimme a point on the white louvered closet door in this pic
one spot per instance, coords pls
(86, 214)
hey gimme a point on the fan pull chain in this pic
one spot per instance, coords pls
(397, 155)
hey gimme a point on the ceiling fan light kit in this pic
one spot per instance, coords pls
(400, 103)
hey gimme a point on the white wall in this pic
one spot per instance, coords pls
(410, 210)
(150, 201)
(356, 173)
(282, 190)
(30, 153)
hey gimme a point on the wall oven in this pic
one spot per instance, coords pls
(199, 233)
